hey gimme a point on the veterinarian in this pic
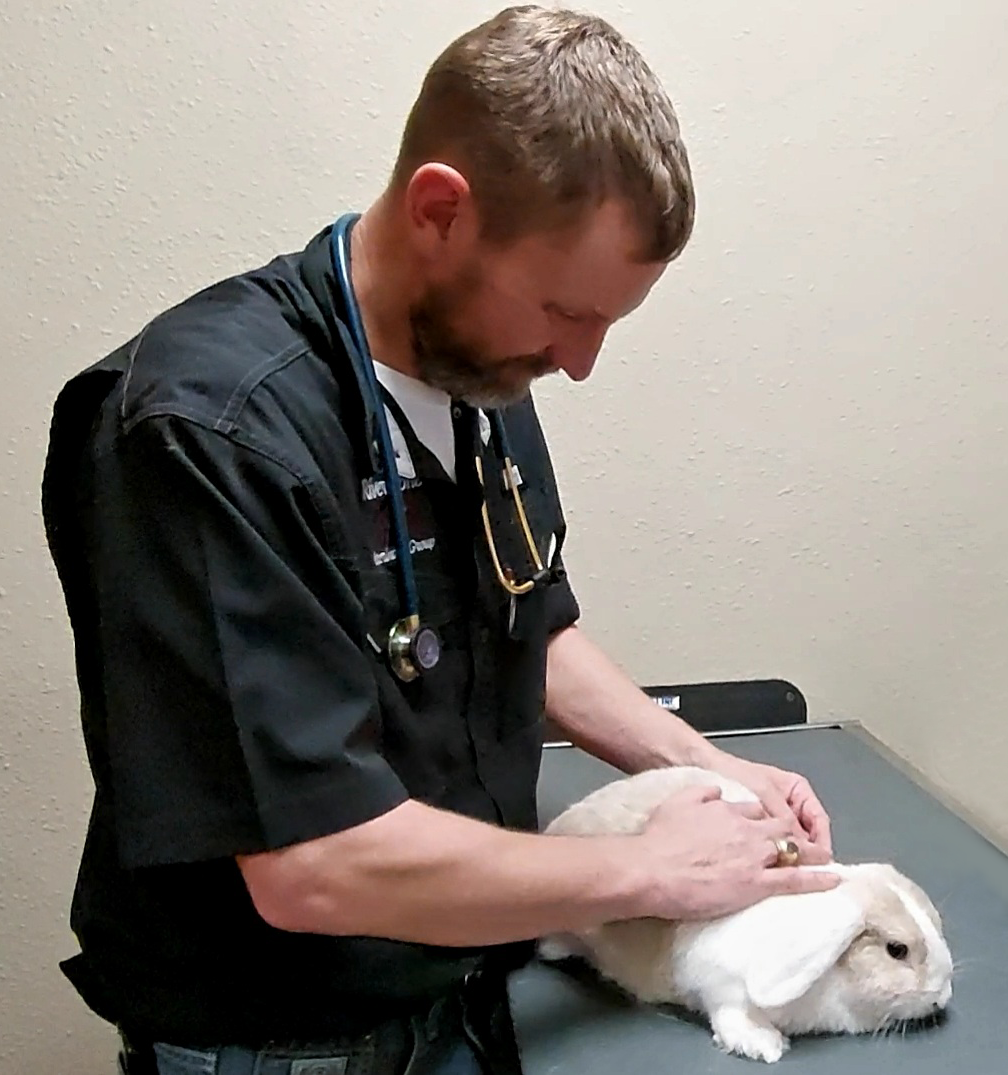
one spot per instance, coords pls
(310, 542)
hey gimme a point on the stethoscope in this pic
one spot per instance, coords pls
(414, 648)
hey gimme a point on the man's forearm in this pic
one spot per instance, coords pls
(421, 874)
(605, 713)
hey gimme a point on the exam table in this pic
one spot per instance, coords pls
(571, 1023)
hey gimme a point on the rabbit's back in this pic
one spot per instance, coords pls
(624, 805)
(636, 954)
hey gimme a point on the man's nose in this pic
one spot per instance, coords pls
(576, 357)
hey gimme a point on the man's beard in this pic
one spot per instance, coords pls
(462, 370)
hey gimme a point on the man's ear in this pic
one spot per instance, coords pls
(803, 936)
(438, 199)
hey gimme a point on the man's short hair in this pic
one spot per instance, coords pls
(548, 113)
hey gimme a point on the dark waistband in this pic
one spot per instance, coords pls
(478, 1010)
(386, 1047)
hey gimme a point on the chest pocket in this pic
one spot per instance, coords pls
(422, 735)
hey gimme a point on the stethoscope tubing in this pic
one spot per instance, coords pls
(393, 484)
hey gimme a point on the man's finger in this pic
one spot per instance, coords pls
(705, 793)
(775, 828)
(819, 831)
(813, 853)
(776, 805)
(803, 813)
(826, 834)
(699, 794)
(812, 815)
(791, 880)
(809, 853)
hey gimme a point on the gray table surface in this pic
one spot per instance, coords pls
(571, 1023)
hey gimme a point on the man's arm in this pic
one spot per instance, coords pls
(420, 874)
(416, 873)
(605, 713)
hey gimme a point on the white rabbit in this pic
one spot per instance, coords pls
(861, 957)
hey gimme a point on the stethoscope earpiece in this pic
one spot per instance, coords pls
(413, 649)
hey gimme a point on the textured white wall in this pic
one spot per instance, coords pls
(792, 461)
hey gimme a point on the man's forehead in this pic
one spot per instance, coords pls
(589, 276)
(609, 291)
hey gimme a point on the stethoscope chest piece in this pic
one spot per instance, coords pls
(413, 649)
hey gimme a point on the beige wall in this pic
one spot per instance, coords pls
(792, 462)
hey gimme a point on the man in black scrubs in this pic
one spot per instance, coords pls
(301, 856)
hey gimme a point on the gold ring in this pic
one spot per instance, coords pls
(787, 852)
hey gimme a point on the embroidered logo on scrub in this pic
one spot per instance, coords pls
(419, 519)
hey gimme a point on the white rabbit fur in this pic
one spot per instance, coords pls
(804, 963)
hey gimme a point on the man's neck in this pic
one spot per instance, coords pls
(384, 282)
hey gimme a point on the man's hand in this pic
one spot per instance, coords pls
(708, 857)
(785, 795)
(606, 714)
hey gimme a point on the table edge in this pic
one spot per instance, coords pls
(940, 794)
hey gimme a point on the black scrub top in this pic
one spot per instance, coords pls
(215, 508)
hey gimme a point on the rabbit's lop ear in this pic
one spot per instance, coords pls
(810, 932)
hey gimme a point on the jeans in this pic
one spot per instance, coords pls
(468, 1031)
(444, 1055)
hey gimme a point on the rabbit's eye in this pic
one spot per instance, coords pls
(897, 949)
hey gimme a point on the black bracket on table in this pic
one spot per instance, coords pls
(729, 706)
